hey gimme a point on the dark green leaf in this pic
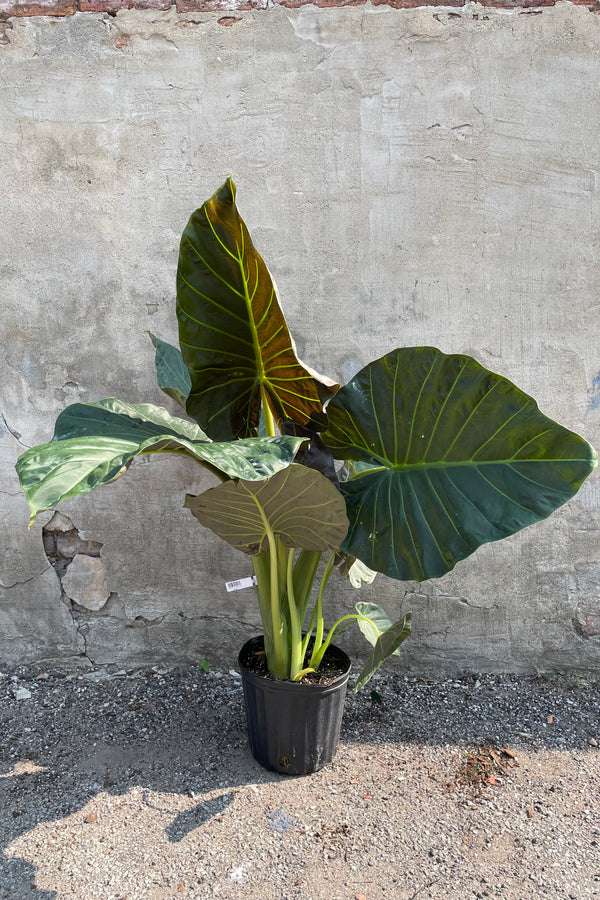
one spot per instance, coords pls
(233, 336)
(386, 644)
(298, 505)
(172, 375)
(94, 443)
(458, 457)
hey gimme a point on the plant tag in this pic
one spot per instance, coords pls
(240, 583)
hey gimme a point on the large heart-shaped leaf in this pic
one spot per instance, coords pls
(456, 457)
(299, 506)
(94, 443)
(172, 375)
(233, 336)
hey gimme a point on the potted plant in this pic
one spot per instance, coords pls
(440, 456)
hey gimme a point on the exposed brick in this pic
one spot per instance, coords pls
(22, 8)
(518, 4)
(112, 6)
(296, 4)
(228, 21)
(37, 8)
(415, 4)
(184, 6)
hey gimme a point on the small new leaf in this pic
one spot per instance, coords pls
(385, 645)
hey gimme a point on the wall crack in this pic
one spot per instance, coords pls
(79, 569)
(25, 580)
(12, 431)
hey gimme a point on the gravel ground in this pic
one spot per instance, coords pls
(140, 785)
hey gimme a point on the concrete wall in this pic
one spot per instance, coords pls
(423, 176)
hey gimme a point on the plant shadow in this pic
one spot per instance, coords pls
(184, 736)
(59, 751)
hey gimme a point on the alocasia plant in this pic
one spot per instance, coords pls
(441, 455)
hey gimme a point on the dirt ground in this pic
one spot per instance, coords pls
(140, 785)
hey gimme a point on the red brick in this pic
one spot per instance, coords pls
(530, 4)
(37, 8)
(295, 4)
(112, 6)
(415, 4)
(518, 4)
(184, 6)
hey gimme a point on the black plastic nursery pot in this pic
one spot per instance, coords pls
(293, 728)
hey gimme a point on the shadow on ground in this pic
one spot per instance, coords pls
(183, 733)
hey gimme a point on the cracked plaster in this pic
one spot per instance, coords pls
(410, 177)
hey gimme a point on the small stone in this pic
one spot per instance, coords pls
(22, 694)
(91, 818)
(586, 626)
(593, 742)
(85, 582)
(91, 548)
(68, 544)
(530, 812)
(58, 522)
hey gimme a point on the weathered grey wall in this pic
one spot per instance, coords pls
(411, 177)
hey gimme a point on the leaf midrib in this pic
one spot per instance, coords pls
(458, 464)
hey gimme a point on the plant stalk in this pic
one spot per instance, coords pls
(319, 611)
(268, 415)
(297, 659)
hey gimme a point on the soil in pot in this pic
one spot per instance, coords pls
(333, 666)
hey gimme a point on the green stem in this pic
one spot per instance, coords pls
(278, 648)
(261, 567)
(309, 631)
(305, 570)
(319, 613)
(297, 658)
(317, 656)
(269, 420)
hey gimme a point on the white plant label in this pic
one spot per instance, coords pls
(240, 583)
